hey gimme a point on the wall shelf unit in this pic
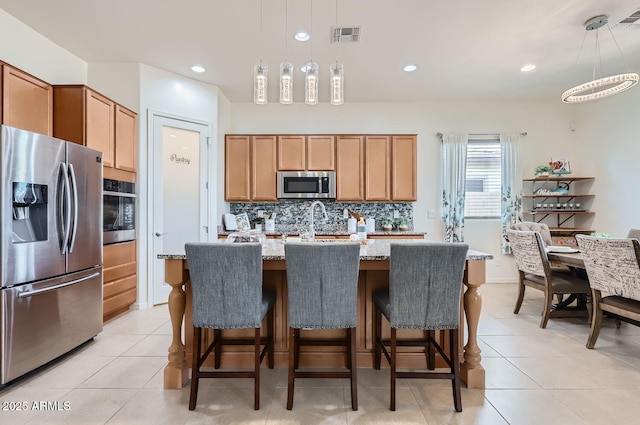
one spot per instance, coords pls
(563, 203)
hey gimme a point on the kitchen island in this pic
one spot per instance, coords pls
(374, 275)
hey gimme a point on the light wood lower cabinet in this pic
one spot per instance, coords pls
(25, 101)
(120, 278)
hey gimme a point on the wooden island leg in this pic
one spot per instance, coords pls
(176, 372)
(472, 372)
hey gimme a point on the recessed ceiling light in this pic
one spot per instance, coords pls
(304, 67)
(302, 36)
(410, 67)
(528, 68)
(198, 68)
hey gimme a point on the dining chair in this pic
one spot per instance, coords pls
(545, 234)
(226, 291)
(535, 272)
(541, 228)
(613, 266)
(425, 284)
(633, 234)
(322, 285)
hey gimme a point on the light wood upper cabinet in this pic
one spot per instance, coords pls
(403, 168)
(349, 168)
(377, 168)
(321, 153)
(84, 116)
(250, 168)
(263, 168)
(291, 153)
(126, 139)
(26, 102)
(300, 153)
(100, 125)
(237, 170)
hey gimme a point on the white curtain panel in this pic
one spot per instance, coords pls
(454, 170)
(511, 187)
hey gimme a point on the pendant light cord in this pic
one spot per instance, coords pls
(334, 34)
(261, 36)
(286, 31)
(624, 58)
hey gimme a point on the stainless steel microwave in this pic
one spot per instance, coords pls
(306, 184)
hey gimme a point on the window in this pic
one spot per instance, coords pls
(483, 179)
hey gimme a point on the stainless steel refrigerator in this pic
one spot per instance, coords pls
(51, 246)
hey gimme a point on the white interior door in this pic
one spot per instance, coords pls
(180, 194)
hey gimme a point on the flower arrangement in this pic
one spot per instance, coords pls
(387, 224)
(543, 170)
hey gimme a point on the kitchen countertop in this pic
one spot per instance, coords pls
(374, 249)
(336, 233)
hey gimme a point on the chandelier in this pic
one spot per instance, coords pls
(310, 69)
(605, 86)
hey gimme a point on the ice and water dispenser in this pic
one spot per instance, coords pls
(29, 212)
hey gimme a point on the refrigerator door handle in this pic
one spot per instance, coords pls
(74, 230)
(64, 221)
(26, 294)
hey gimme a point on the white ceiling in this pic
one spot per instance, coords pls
(465, 49)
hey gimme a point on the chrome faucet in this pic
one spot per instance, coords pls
(312, 230)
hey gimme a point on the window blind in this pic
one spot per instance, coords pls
(483, 179)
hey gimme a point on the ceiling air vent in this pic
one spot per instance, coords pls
(632, 19)
(345, 34)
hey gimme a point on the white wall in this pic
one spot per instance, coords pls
(607, 145)
(31, 52)
(165, 92)
(120, 82)
(547, 125)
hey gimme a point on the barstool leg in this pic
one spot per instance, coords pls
(195, 368)
(353, 368)
(377, 324)
(256, 370)
(431, 350)
(291, 381)
(393, 369)
(455, 368)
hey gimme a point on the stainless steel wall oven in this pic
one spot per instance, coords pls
(119, 211)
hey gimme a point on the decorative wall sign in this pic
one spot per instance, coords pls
(560, 166)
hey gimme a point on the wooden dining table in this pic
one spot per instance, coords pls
(570, 259)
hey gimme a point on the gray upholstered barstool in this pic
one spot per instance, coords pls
(425, 284)
(226, 285)
(322, 285)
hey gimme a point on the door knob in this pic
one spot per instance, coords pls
(158, 234)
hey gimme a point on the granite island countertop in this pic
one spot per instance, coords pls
(372, 250)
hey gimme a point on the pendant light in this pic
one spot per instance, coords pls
(311, 76)
(260, 73)
(601, 87)
(336, 74)
(286, 67)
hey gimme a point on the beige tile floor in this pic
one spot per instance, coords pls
(534, 376)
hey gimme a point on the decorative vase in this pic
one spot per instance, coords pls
(387, 228)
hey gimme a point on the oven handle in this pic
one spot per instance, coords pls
(26, 294)
(122, 194)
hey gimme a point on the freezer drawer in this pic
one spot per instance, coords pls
(44, 320)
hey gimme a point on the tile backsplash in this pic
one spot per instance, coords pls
(295, 213)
